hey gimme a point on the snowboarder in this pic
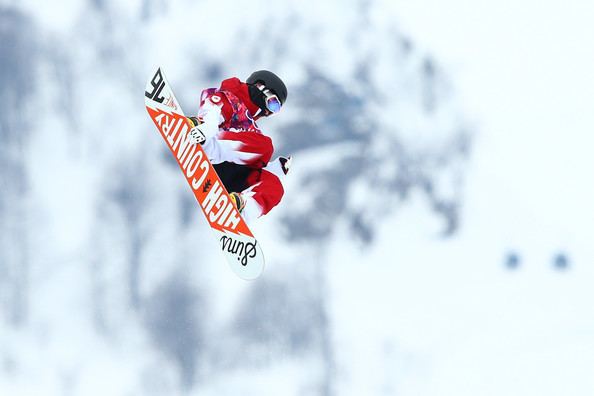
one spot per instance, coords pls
(241, 154)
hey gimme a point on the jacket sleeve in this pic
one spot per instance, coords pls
(211, 113)
(245, 148)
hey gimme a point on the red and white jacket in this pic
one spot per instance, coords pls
(238, 149)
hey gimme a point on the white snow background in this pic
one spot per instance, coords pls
(435, 237)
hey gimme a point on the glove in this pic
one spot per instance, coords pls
(285, 163)
(198, 130)
(196, 135)
(237, 200)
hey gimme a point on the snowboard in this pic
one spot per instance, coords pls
(237, 243)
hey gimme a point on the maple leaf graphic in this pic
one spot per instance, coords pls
(206, 186)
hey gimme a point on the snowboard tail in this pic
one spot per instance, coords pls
(237, 243)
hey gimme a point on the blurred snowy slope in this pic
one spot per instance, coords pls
(118, 288)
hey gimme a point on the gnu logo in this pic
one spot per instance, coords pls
(158, 83)
(242, 250)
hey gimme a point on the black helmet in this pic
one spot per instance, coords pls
(271, 81)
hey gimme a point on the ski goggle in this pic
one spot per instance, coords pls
(272, 102)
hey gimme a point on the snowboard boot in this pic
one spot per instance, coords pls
(238, 201)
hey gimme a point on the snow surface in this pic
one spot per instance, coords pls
(408, 312)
